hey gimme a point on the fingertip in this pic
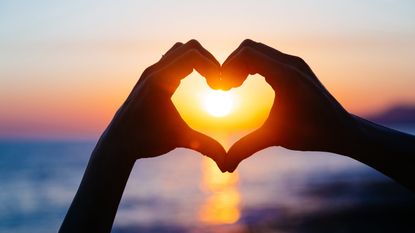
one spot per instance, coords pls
(232, 169)
(231, 161)
(224, 88)
(246, 147)
(223, 170)
(219, 162)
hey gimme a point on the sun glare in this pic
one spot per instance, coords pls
(218, 103)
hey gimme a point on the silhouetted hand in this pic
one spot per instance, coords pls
(304, 115)
(148, 124)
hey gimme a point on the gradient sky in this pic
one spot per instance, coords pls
(66, 66)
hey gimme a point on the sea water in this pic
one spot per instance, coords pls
(276, 190)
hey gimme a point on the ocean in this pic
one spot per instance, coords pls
(276, 190)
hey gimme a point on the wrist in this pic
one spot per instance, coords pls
(370, 138)
(112, 148)
(121, 138)
(356, 137)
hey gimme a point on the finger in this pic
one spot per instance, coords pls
(172, 49)
(158, 64)
(206, 146)
(177, 50)
(285, 58)
(213, 80)
(247, 146)
(170, 75)
(242, 45)
(168, 58)
(248, 60)
(275, 54)
(151, 69)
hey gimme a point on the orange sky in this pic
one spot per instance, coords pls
(66, 67)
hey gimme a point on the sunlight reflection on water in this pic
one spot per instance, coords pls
(222, 204)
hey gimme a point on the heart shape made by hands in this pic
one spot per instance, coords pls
(225, 116)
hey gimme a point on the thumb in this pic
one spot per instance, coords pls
(247, 146)
(206, 146)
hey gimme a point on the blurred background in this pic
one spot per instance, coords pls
(66, 66)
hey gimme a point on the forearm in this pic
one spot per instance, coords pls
(389, 151)
(95, 204)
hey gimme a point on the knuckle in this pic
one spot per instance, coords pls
(178, 44)
(148, 68)
(297, 59)
(248, 43)
(194, 43)
(147, 71)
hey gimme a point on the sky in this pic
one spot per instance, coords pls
(66, 66)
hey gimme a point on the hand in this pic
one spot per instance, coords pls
(304, 115)
(148, 124)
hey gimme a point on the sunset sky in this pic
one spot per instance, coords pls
(66, 66)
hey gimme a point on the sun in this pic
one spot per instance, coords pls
(218, 103)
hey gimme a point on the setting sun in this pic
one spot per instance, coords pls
(224, 115)
(218, 103)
